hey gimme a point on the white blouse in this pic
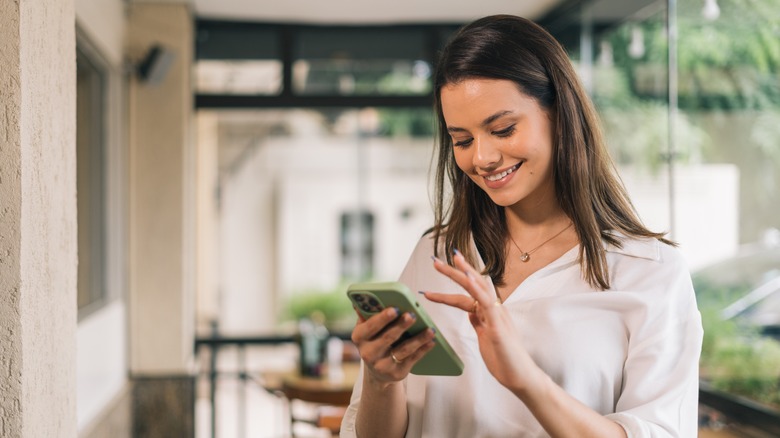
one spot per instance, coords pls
(630, 353)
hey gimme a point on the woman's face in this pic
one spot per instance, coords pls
(502, 139)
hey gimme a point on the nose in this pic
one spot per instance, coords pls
(487, 157)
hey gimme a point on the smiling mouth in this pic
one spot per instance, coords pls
(504, 174)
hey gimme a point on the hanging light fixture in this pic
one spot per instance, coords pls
(711, 10)
(636, 48)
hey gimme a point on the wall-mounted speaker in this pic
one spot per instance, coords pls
(155, 64)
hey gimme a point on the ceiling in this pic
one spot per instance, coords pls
(368, 12)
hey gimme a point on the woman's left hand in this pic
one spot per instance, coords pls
(500, 342)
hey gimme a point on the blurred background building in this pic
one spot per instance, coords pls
(183, 182)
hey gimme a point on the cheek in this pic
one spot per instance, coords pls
(463, 159)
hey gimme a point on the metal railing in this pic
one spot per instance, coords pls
(213, 345)
(738, 409)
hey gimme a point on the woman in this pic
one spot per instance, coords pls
(572, 319)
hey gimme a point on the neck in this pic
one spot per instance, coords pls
(535, 216)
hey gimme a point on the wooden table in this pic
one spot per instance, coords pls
(321, 390)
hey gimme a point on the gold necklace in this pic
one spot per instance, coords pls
(525, 256)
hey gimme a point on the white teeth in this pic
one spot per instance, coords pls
(503, 174)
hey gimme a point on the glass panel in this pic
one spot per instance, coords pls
(729, 57)
(361, 62)
(716, 185)
(90, 145)
(361, 77)
(236, 40)
(258, 77)
(629, 71)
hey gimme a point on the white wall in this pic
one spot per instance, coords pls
(706, 208)
(101, 354)
(280, 218)
(247, 277)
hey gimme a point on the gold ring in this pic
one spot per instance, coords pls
(395, 359)
(497, 303)
(475, 307)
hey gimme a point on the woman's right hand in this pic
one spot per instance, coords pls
(387, 361)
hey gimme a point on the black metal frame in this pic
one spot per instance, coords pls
(563, 22)
(742, 410)
(286, 35)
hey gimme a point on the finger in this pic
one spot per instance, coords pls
(489, 303)
(360, 317)
(378, 347)
(407, 349)
(462, 302)
(464, 278)
(416, 355)
(453, 273)
(369, 328)
(471, 274)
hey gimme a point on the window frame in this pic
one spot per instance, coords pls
(109, 245)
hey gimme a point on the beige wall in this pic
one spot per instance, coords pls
(10, 222)
(162, 205)
(37, 219)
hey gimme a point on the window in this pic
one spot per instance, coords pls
(361, 62)
(91, 85)
(357, 245)
(715, 183)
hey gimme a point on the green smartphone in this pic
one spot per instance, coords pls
(371, 298)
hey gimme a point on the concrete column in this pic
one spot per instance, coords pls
(37, 219)
(162, 205)
(162, 225)
(208, 219)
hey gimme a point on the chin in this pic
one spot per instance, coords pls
(504, 201)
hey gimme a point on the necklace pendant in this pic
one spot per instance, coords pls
(524, 257)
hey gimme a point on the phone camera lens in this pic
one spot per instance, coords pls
(373, 302)
(359, 298)
(366, 307)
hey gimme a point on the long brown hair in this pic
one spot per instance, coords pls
(586, 182)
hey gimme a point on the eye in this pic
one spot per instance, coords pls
(463, 143)
(504, 132)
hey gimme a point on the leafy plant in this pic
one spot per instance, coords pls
(735, 357)
(332, 305)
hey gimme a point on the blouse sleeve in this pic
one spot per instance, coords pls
(350, 416)
(660, 390)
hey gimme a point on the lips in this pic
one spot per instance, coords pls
(501, 175)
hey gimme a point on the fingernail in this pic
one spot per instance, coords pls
(468, 274)
(455, 251)
(412, 315)
(433, 330)
(434, 259)
(397, 311)
(421, 292)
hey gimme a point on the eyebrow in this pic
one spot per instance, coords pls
(487, 121)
